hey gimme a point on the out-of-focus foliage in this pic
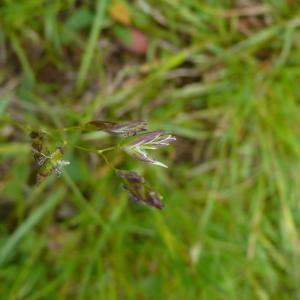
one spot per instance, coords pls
(221, 76)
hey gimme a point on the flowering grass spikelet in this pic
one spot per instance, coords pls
(149, 141)
(139, 191)
(47, 162)
(126, 129)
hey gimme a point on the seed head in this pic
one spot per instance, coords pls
(139, 191)
(130, 176)
(126, 129)
(149, 141)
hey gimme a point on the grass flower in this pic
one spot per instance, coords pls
(126, 129)
(48, 163)
(139, 191)
(149, 141)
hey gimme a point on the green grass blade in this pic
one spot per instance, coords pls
(90, 49)
(28, 224)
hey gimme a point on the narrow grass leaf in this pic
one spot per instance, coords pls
(28, 224)
(90, 49)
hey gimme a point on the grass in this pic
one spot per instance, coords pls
(223, 79)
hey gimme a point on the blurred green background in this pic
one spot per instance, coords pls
(223, 77)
